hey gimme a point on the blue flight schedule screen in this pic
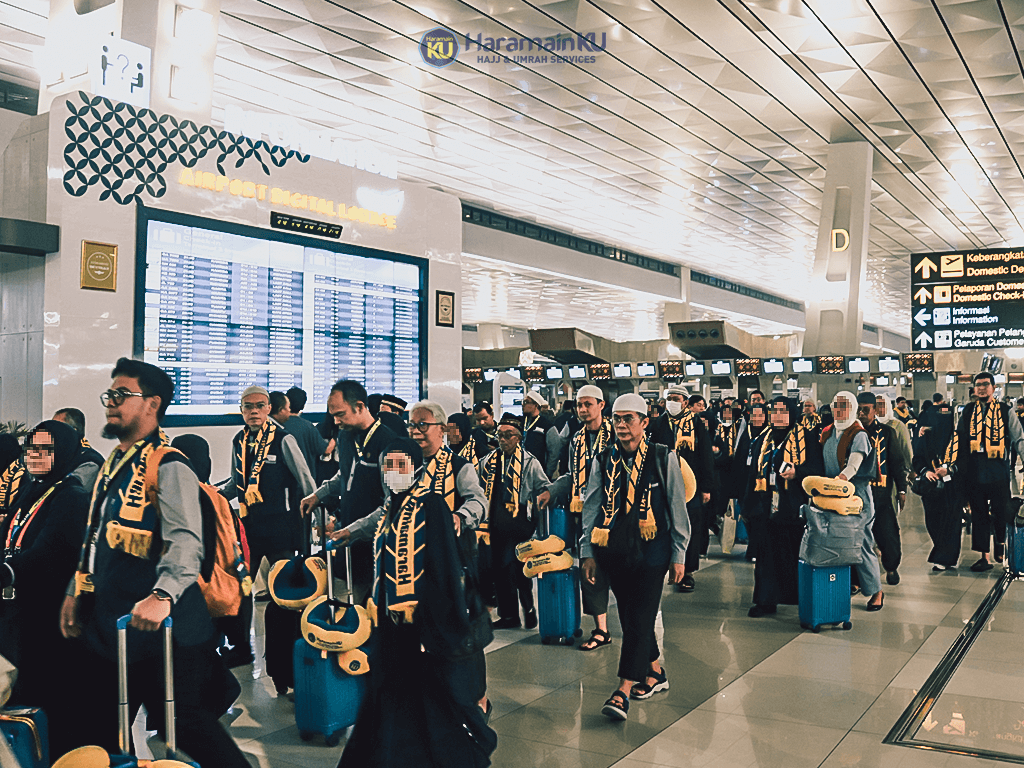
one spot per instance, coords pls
(224, 311)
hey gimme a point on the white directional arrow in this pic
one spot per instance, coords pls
(926, 266)
(923, 294)
(924, 339)
(923, 317)
(930, 722)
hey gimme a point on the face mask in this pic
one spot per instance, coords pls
(673, 408)
(398, 482)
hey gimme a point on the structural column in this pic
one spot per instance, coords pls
(835, 313)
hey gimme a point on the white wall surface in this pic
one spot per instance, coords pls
(85, 331)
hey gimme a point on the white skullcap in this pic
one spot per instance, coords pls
(589, 390)
(676, 389)
(255, 389)
(536, 397)
(630, 402)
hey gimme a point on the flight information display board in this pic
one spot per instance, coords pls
(967, 299)
(227, 307)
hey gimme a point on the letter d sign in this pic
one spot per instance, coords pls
(840, 240)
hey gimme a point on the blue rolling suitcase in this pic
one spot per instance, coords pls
(26, 732)
(559, 610)
(126, 759)
(824, 596)
(1014, 544)
(562, 525)
(327, 699)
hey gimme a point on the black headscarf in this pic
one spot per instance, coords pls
(10, 451)
(197, 451)
(394, 422)
(373, 404)
(794, 414)
(410, 448)
(763, 407)
(66, 444)
(461, 421)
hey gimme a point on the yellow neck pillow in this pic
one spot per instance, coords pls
(815, 485)
(535, 547)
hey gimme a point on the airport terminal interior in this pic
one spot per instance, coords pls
(528, 203)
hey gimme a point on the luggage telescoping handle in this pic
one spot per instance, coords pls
(328, 549)
(123, 722)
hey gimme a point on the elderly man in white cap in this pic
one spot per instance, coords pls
(635, 528)
(592, 436)
(268, 470)
(682, 431)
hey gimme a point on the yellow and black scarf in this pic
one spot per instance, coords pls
(468, 452)
(637, 499)
(902, 412)
(10, 483)
(400, 541)
(250, 487)
(810, 421)
(133, 541)
(949, 459)
(794, 451)
(511, 482)
(988, 430)
(880, 440)
(581, 457)
(727, 433)
(685, 430)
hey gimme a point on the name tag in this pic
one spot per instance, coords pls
(771, 479)
(750, 460)
(271, 459)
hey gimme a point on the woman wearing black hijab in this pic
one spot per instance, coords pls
(42, 538)
(782, 457)
(421, 706)
(470, 444)
(934, 447)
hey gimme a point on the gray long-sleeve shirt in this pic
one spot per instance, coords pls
(293, 459)
(534, 481)
(308, 438)
(675, 492)
(467, 485)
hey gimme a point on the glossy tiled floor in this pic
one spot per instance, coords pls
(744, 692)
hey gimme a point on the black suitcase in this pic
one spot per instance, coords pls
(282, 627)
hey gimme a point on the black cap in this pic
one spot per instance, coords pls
(512, 420)
(394, 400)
(865, 398)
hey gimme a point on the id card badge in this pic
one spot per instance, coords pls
(771, 479)
(775, 502)
(750, 459)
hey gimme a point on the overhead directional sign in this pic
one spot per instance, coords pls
(967, 299)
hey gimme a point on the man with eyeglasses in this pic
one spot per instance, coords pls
(514, 485)
(142, 559)
(984, 436)
(267, 471)
(357, 484)
(636, 530)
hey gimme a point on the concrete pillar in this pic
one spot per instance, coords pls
(678, 311)
(835, 313)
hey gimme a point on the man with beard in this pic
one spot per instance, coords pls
(142, 557)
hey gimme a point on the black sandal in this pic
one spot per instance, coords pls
(598, 638)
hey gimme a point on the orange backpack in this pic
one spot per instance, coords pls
(223, 573)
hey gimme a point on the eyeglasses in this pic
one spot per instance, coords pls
(506, 434)
(423, 426)
(115, 397)
(254, 406)
(40, 450)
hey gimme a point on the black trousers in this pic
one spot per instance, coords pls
(696, 511)
(199, 733)
(775, 572)
(264, 542)
(505, 572)
(942, 513)
(638, 597)
(595, 596)
(990, 511)
(886, 528)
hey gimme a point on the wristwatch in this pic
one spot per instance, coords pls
(163, 595)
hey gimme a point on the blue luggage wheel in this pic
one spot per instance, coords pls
(334, 739)
(816, 628)
(578, 632)
(847, 625)
(545, 641)
(568, 641)
(306, 735)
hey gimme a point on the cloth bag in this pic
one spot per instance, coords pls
(727, 529)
